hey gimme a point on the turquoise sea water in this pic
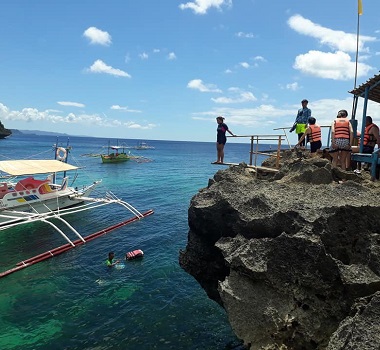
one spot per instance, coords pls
(73, 301)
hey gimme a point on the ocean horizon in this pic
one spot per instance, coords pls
(73, 301)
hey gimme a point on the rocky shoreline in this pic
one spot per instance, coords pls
(4, 132)
(294, 257)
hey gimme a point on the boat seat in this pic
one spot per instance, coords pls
(45, 189)
(29, 183)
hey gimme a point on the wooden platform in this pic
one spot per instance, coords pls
(257, 168)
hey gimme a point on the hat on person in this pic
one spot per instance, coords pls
(304, 100)
(220, 117)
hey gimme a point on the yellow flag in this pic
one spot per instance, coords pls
(360, 7)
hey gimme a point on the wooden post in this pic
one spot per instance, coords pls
(278, 152)
(251, 153)
(257, 150)
(374, 162)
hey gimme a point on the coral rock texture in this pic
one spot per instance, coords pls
(294, 258)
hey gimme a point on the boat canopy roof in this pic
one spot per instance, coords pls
(30, 167)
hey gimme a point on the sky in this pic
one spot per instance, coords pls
(164, 70)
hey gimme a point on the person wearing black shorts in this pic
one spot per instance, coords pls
(314, 136)
(221, 138)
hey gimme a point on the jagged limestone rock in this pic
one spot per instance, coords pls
(361, 330)
(288, 256)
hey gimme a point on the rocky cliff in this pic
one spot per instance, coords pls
(293, 258)
(4, 132)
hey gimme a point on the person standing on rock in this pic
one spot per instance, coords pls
(302, 118)
(341, 140)
(313, 132)
(221, 139)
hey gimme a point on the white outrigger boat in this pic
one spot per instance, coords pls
(30, 199)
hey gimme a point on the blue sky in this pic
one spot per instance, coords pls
(165, 70)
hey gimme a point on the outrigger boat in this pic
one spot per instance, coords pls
(143, 146)
(118, 155)
(43, 200)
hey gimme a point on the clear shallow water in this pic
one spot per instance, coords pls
(73, 301)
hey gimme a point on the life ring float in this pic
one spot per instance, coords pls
(61, 153)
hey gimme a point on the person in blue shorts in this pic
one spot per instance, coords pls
(221, 138)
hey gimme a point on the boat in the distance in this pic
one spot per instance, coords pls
(143, 146)
(116, 154)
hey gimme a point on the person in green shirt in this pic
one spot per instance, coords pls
(109, 261)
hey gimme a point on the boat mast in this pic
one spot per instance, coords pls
(67, 153)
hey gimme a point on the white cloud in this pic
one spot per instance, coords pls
(97, 36)
(172, 56)
(335, 39)
(240, 97)
(336, 66)
(100, 67)
(143, 56)
(200, 7)
(31, 115)
(197, 84)
(228, 71)
(267, 116)
(133, 125)
(259, 58)
(156, 50)
(244, 65)
(71, 104)
(125, 109)
(292, 86)
(259, 116)
(245, 35)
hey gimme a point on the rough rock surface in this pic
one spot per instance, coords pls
(293, 258)
(4, 132)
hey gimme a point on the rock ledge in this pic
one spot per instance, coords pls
(293, 258)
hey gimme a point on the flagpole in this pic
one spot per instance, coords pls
(354, 102)
(357, 49)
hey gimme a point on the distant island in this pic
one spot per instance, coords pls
(37, 132)
(4, 132)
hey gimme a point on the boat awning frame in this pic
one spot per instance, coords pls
(31, 167)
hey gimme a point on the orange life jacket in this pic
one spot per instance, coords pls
(341, 128)
(315, 133)
(369, 139)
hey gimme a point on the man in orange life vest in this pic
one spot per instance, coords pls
(341, 140)
(371, 136)
(313, 132)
